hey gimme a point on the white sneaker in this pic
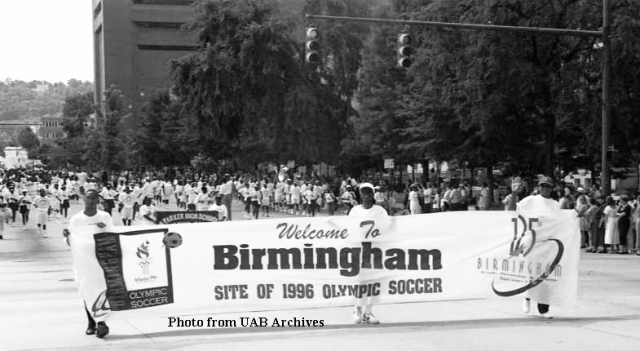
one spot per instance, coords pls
(526, 305)
(357, 315)
(369, 318)
(547, 315)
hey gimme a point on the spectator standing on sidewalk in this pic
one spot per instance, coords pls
(84, 225)
(624, 222)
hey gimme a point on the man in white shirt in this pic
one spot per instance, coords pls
(541, 203)
(363, 309)
(202, 200)
(41, 204)
(226, 189)
(219, 207)
(82, 226)
(108, 196)
(127, 200)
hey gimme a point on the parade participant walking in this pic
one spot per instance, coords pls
(24, 207)
(226, 189)
(64, 201)
(42, 204)
(127, 200)
(108, 195)
(3, 216)
(529, 207)
(219, 207)
(147, 212)
(363, 310)
(202, 199)
(13, 204)
(414, 200)
(79, 236)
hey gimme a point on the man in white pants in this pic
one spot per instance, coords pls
(363, 309)
(42, 204)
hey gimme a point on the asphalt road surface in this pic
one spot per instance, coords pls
(40, 309)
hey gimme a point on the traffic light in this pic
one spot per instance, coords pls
(404, 50)
(312, 46)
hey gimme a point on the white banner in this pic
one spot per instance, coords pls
(289, 263)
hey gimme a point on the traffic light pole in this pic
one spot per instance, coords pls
(603, 34)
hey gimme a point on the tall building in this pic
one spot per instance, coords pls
(134, 40)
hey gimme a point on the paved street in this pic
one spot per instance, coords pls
(41, 309)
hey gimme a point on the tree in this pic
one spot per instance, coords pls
(106, 138)
(246, 94)
(76, 111)
(160, 139)
(29, 140)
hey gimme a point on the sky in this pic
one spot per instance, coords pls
(48, 40)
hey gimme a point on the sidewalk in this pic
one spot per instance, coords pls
(41, 309)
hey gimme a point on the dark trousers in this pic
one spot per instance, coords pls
(91, 321)
(597, 235)
(226, 201)
(623, 230)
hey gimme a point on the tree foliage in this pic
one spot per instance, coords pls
(527, 101)
(247, 94)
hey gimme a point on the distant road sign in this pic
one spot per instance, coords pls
(388, 163)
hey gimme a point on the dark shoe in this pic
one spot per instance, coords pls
(590, 251)
(622, 252)
(602, 251)
(90, 330)
(102, 331)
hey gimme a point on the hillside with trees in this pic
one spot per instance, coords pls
(26, 101)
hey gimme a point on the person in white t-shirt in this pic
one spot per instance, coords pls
(147, 212)
(127, 200)
(202, 199)
(79, 236)
(541, 203)
(219, 207)
(41, 204)
(363, 309)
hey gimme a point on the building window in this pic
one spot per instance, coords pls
(164, 2)
(168, 47)
(173, 25)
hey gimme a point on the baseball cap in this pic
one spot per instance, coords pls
(545, 180)
(366, 185)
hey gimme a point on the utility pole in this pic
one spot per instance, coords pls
(606, 96)
(603, 34)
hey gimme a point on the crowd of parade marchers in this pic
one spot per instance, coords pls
(608, 224)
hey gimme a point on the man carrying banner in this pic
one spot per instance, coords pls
(526, 208)
(370, 210)
(219, 207)
(82, 226)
